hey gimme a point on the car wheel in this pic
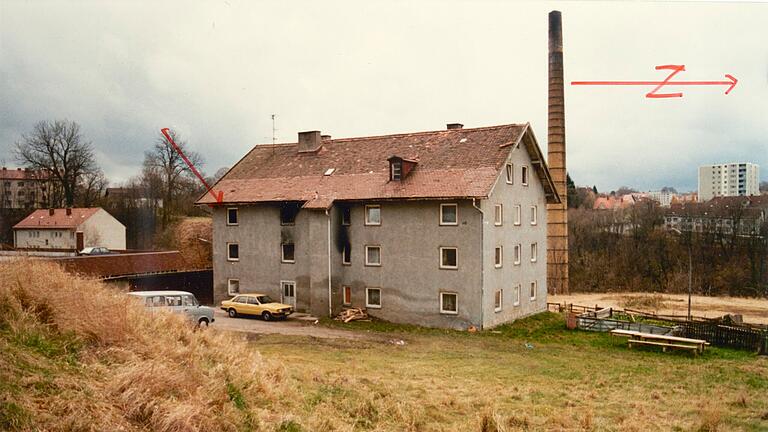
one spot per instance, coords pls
(232, 313)
(267, 316)
(203, 323)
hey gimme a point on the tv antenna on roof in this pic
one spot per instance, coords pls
(274, 136)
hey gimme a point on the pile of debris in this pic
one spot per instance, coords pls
(352, 314)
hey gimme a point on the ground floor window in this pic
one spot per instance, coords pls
(516, 295)
(347, 295)
(534, 288)
(233, 286)
(449, 303)
(498, 301)
(373, 298)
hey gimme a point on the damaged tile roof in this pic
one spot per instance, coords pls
(42, 219)
(453, 163)
(122, 265)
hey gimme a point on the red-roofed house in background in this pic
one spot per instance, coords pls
(444, 229)
(68, 230)
(23, 188)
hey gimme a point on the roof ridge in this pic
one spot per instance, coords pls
(397, 135)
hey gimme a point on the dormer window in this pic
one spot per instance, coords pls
(400, 167)
(396, 170)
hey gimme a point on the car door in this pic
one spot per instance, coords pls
(254, 308)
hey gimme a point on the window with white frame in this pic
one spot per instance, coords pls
(498, 300)
(233, 286)
(373, 215)
(518, 214)
(524, 175)
(510, 173)
(534, 215)
(233, 252)
(516, 295)
(517, 253)
(346, 254)
(449, 214)
(449, 258)
(534, 288)
(373, 298)
(347, 294)
(498, 215)
(534, 252)
(232, 216)
(449, 303)
(498, 260)
(373, 255)
(288, 253)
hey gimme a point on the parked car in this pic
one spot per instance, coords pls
(177, 302)
(96, 250)
(258, 305)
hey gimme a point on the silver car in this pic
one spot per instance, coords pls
(177, 302)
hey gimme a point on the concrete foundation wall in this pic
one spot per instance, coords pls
(508, 235)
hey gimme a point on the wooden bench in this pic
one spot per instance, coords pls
(664, 341)
(663, 345)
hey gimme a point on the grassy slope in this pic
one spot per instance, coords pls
(444, 380)
(76, 356)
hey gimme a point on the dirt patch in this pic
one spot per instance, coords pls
(754, 310)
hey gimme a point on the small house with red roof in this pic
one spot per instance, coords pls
(444, 228)
(69, 230)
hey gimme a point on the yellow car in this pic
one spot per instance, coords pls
(256, 304)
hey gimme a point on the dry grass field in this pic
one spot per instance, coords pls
(754, 310)
(76, 356)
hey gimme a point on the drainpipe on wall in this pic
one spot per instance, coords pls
(482, 265)
(330, 295)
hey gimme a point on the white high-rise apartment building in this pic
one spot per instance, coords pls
(730, 179)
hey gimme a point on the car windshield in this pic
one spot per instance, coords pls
(265, 299)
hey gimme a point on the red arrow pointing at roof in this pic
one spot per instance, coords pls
(219, 197)
(731, 82)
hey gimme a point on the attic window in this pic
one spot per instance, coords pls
(396, 170)
(329, 171)
(400, 167)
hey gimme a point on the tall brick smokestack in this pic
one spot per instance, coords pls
(557, 214)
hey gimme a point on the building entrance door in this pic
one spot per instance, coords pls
(288, 289)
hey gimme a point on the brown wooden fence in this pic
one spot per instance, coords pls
(727, 335)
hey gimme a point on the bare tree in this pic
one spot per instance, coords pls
(58, 149)
(92, 187)
(164, 165)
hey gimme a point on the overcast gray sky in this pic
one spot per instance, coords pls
(216, 71)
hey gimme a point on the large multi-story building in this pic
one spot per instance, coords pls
(445, 228)
(23, 188)
(730, 179)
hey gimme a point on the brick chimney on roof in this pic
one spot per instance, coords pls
(51, 212)
(309, 141)
(69, 211)
(557, 214)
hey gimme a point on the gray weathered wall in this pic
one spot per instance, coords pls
(409, 277)
(509, 234)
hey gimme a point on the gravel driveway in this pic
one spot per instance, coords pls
(295, 325)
